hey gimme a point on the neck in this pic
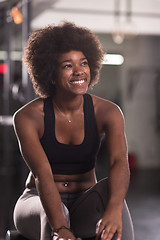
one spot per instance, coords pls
(68, 104)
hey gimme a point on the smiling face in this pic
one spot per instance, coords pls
(73, 73)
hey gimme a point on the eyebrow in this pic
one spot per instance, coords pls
(70, 60)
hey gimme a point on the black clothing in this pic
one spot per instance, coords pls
(66, 158)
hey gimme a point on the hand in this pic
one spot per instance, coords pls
(110, 224)
(65, 234)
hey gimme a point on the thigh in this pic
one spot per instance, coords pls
(27, 214)
(127, 225)
(30, 218)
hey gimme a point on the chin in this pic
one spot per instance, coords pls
(81, 91)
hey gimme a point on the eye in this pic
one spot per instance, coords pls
(67, 66)
(84, 63)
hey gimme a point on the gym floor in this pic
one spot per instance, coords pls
(144, 203)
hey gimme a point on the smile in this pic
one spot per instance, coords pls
(78, 81)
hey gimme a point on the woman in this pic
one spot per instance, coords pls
(59, 136)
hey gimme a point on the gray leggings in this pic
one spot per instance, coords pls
(82, 210)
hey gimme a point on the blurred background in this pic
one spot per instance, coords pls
(130, 35)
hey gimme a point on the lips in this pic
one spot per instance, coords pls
(78, 81)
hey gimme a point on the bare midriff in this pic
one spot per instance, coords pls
(69, 183)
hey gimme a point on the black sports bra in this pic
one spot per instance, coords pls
(65, 158)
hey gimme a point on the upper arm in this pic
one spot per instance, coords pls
(114, 128)
(27, 134)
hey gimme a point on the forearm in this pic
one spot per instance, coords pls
(118, 181)
(51, 202)
(111, 221)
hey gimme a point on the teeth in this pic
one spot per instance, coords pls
(78, 82)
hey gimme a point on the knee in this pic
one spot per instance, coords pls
(43, 216)
(128, 230)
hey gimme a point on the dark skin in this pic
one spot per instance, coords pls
(73, 78)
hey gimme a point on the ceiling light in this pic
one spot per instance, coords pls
(118, 34)
(17, 15)
(113, 59)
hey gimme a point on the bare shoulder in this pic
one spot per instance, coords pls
(106, 109)
(30, 109)
(32, 112)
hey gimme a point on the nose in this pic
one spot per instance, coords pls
(77, 71)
